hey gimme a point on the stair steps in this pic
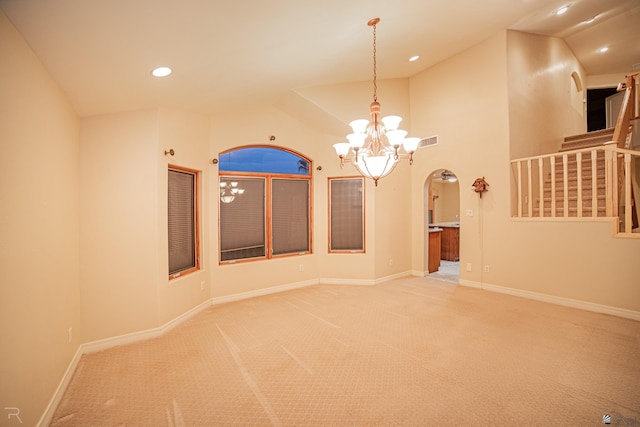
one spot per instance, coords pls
(575, 142)
(587, 140)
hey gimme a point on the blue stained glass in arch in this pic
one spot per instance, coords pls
(264, 160)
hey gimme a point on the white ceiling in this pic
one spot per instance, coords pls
(227, 53)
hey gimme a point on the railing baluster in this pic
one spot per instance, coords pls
(541, 185)
(617, 163)
(565, 186)
(614, 185)
(552, 159)
(579, 178)
(594, 183)
(529, 190)
(628, 224)
(608, 178)
(519, 166)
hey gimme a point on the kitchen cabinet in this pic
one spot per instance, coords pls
(450, 241)
(435, 242)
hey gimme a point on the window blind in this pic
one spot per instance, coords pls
(182, 221)
(290, 215)
(242, 222)
(346, 218)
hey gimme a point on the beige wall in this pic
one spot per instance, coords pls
(124, 265)
(39, 250)
(464, 101)
(576, 260)
(188, 135)
(118, 223)
(388, 224)
(446, 208)
(544, 105)
(387, 206)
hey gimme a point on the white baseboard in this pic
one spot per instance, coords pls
(567, 302)
(393, 277)
(93, 346)
(364, 282)
(47, 416)
(354, 282)
(99, 345)
(265, 291)
(470, 283)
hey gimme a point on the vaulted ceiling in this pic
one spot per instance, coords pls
(228, 53)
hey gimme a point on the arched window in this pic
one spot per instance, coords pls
(265, 203)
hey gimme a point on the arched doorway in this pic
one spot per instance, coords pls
(442, 225)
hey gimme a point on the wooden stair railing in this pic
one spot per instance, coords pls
(629, 110)
(589, 177)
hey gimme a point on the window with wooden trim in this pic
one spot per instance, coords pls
(265, 203)
(183, 221)
(346, 215)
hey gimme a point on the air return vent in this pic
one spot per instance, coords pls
(427, 142)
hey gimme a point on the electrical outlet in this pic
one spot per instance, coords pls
(486, 269)
(202, 285)
(390, 262)
(468, 266)
(469, 212)
(301, 267)
(70, 335)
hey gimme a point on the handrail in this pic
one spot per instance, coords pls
(628, 110)
(542, 169)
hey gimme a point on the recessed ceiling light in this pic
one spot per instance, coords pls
(590, 20)
(414, 58)
(562, 10)
(161, 71)
(603, 49)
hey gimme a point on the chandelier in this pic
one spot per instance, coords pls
(229, 190)
(376, 143)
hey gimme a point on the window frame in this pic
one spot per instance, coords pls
(329, 216)
(268, 179)
(197, 176)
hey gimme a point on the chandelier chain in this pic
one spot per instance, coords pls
(375, 83)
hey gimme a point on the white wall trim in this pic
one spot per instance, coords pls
(47, 416)
(470, 283)
(364, 282)
(99, 345)
(265, 291)
(567, 302)
(354, 282)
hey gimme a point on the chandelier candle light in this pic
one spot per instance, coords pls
(376, 143)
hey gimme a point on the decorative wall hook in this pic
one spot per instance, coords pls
(214, 161)
(480, 186)
(169, 152)
(272, 138)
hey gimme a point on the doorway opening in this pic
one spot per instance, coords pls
(597, 117)
(442, 225)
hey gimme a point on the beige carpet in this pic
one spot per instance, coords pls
(410, 352)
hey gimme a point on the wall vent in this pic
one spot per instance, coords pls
(427, 142)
